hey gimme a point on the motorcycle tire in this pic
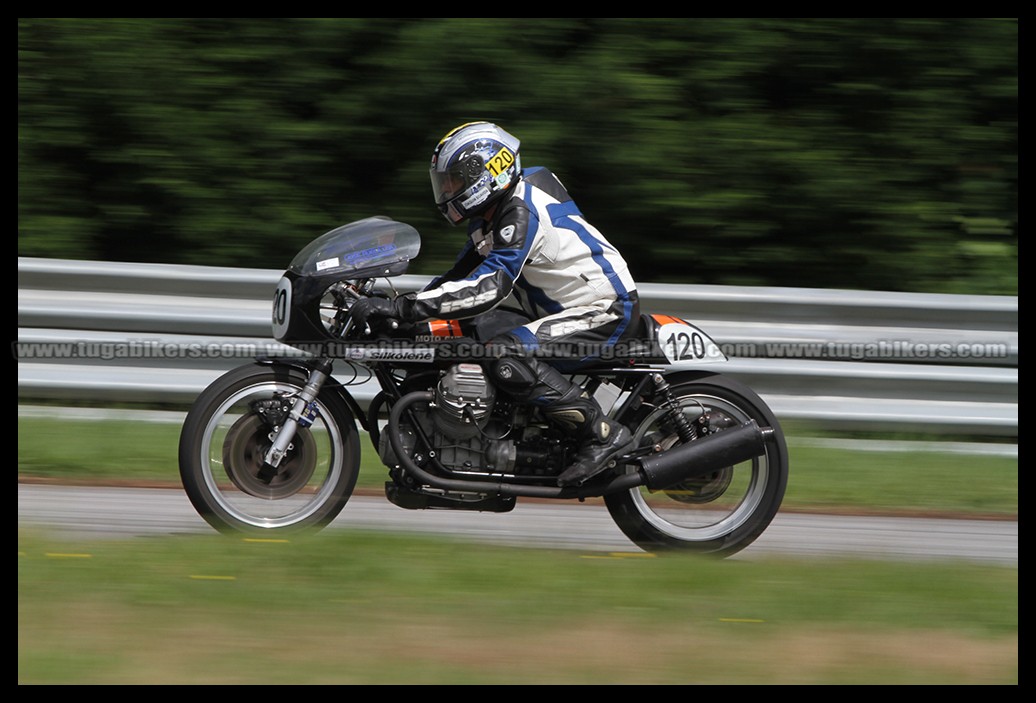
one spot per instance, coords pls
(718, 514)
(224, 440)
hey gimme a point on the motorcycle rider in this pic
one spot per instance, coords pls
(527, 241)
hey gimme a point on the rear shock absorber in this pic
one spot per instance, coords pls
(685, 429)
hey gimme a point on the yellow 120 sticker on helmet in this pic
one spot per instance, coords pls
(503, 160)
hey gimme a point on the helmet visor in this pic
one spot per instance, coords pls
(460, 176)
(446, 186)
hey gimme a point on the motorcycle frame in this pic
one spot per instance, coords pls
(707, 454)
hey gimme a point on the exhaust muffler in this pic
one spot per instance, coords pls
(704, 455)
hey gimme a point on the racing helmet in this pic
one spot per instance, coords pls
(472, 167)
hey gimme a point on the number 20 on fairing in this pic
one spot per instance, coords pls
(281, 307)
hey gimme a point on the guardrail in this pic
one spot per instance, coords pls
(104, 333)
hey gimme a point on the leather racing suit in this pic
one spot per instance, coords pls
(537, 249)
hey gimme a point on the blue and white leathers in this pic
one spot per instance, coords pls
(538, 249)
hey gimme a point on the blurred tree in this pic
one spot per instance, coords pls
(826, 152)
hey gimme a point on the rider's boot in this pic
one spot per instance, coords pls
(601, 439)
(566, 404)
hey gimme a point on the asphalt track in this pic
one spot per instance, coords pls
(90, 511)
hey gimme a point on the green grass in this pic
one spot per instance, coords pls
(821, 478)
(353, 607)
(359, 608)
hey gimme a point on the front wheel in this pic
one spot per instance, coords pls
(720, 513)
(223, 445)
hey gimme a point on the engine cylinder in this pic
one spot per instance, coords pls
(464, 400)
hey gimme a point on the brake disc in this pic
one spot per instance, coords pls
(244, 452)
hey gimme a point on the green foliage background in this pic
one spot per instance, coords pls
(815, 152)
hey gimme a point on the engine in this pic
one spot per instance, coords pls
(474, 433)
(464, 400)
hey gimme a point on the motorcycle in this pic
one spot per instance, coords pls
(273, 446)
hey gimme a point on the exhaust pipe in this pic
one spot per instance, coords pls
(657, 472)
(704, 455)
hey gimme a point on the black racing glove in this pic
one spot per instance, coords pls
(399, 308)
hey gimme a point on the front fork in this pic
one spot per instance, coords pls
(300, 415)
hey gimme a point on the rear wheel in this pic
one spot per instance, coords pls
(720, 513)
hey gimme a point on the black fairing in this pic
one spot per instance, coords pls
(369, 248)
